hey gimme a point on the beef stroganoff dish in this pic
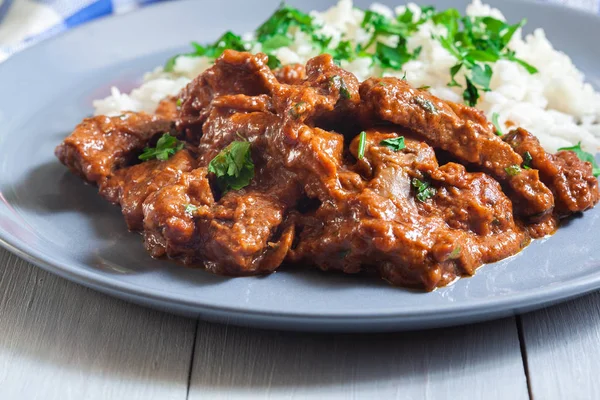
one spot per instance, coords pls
(415, 144)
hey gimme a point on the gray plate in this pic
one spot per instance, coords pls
(51, 218)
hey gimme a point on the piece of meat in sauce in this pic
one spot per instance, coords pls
(129, 187)
(101, 145)
(240, 234)
(462, 131)
(382, 226)
(571, 180)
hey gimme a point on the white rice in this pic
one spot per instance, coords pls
(556, 104)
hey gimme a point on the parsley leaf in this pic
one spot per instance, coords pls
(387, 56)
(497, 124)
(298, 109)
(527, 159)
(273, 62)
(513, 170)
(455, 253)
(395, 144)
(425, 104)
(275, 42)
(474, 42)
(343, 51)
(233, 166)
(166, 146)
(424, 190)
(362, 142)
(190, 209)
(584, 156)
(482, 76)
(470, 95)
(229, 40)
(280, 22)
(340, 83)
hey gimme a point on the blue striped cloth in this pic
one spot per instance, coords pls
(25, 22)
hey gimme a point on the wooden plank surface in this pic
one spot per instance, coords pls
(480, 361)
(562, 345)
(62, 341)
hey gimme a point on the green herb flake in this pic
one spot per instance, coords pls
(298, 109)
(496, 123)
(455, 253)
(166, 146)
(527, 159)
(362, 142)
(275, 42)
(482, 76)
(584, 156)
(513, 170)
(395, 144)
(343, 51)
(190, 209)
(282, 19)
(229, 40)
(340, 84)
(470, 95)
(179, 102)
(424, 88)
(423, 189)
(233, 166)
(273, 62)
(475, 42)
(426, 104)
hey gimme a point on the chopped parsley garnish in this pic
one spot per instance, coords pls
(343, 51)
(584, 156)
(233, 166)
(229, 40)
(298, 109)
(280, 22)
(470, 95)
(495, 117)
(395, 144)
(475, 42)
(425, 104)
(424, 87)
(362, 143)
(482, 40)
(455, 253)
(527, 159)
(423, 189)
(190, 209)
(166, 146)
(179, 102)
(513, 170)
(339, 82)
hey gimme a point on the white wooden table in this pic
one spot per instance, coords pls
(59, 340)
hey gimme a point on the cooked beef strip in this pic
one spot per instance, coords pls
(463, 131)
(130, 186)
(411, 243)
(313, 199)
(571, 180)
(100, 145)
